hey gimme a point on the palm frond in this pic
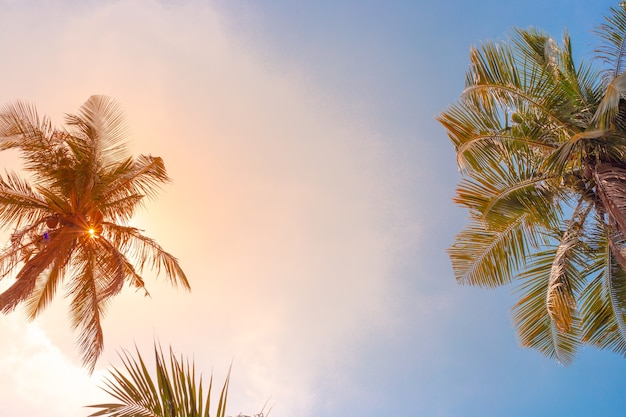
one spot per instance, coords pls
(86, 309)
(26, 278)
(47, 284)
(603, 309)
(566, 270)
(499, 193)
(99, 129)
(116, 269)
(487, 257)
(581, 83)
(481, 136)
(540, 50)
(145, 177)
(146, 252)
(609, 106)
(612, 49)
(41, 146)
(18, 202)
(174, 391)
(535, 327)
(497, 74)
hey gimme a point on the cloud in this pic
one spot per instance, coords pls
(36, 377)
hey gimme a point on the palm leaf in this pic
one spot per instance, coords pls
(26, 278)
(565, 271)
(174, 391)
(497, 74)
(19, 203)
(48, 283)
(603, 309)
(87, 310)
(146, 252)
(535, 327)
(612, 49)
(99, 130)
(487, 257)
(609, 106)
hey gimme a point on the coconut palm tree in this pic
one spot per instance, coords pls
(69, 215)
(541, 147)
(173, 392)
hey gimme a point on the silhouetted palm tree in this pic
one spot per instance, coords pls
(70, 215)
(541, 145)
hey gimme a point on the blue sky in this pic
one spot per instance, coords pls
(311, 205)
(402, 63)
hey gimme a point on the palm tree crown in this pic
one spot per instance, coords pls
(541, 146)
(69, 218)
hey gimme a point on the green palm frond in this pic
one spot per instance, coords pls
(582, 85)
(482, 137)
(603, 302)
(174, 391)
(535, 327)
(568, 156)
(497, 74)
(612, 49)
(489, 258)
(505, 190)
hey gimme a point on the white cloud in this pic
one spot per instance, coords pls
(36, 378)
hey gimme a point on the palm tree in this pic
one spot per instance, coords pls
(70, 216)
(174, 392)
(541, 147)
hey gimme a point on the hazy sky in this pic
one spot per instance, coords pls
(310, 205)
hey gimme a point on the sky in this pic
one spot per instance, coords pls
(311, 205)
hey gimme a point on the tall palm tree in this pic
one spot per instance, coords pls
(69, 217)
(173, 392)
(541, 147)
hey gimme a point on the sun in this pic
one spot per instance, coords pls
(92, 232)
